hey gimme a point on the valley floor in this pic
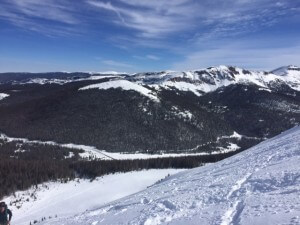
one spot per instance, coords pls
(93, 152)
(54, 199)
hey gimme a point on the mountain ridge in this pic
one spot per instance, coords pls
(148, 112)
(199, 81)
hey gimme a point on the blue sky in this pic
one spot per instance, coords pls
(144, 35)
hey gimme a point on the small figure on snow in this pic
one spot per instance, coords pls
(4, 213)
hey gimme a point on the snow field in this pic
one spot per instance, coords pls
(3, 95)
(125, 85)
(55, 199)
(258, 186)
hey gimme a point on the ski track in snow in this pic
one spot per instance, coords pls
(258, 186)
(231, 216)
(237, 205)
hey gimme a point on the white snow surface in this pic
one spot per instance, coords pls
(125, 85)
(290, 74)
(196, 81)
(258, 186)
(62, 199)
(204, 80)
(109, 72)
(43, 81)
(3, 95)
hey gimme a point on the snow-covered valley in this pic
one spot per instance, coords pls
(258, 186)
(151, 113)
(56, 199)
(91, 125)
(94, 153)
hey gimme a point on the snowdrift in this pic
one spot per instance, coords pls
(258, 186)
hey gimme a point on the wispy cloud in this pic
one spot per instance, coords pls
(116, 64)
(152, 57)
(54, 10)
(50, 17)
(147, 57)
(150, 18)
(156, 18)
(160, 31)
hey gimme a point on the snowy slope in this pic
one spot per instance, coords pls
(291, 75)
(43, 81)
(258, 186)
(125, 85)
(197, 81)
(285, 70)
(210, 79)
(3, 95)
(204, 80)
(60, 199)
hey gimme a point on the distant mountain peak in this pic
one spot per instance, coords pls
(197, 81)
(284, 70)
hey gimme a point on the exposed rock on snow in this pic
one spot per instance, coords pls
(258, 186)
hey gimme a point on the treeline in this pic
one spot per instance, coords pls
(16, 174)
(92, 169)
(25, 165)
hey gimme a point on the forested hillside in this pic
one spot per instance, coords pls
(24, 165)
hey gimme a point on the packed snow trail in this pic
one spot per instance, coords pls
(258, 186)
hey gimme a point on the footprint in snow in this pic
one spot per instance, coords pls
(145, 201)
(167, 205)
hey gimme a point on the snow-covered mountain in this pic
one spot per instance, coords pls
(258, 186)
(286, 70)
(153, 112)
(197, 81)
(210, 79)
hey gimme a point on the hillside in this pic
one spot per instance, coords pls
(57, 199)
(214, 109)
(257, 186)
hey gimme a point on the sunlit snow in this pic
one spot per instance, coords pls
(3, 95)
(125, 85)
(258, 186)
(53, 199)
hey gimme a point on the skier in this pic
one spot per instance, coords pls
(4, 213)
